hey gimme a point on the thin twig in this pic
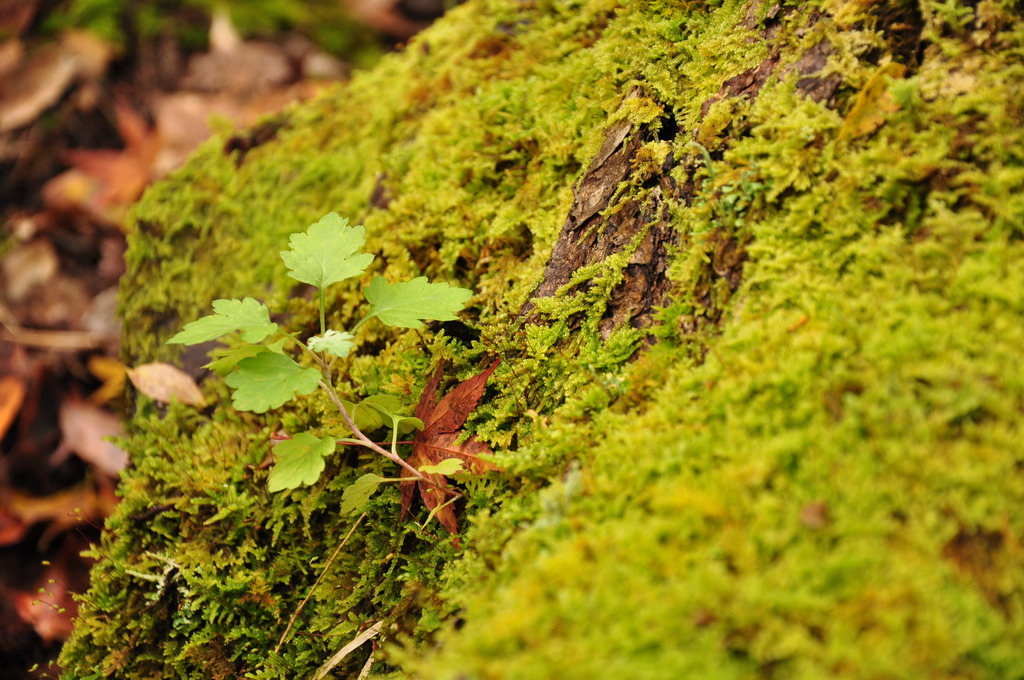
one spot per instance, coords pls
(59, 340)
(302, 604)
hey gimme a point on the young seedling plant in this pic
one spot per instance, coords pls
(264, 376)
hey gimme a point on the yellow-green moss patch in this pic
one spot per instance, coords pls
(808, 467)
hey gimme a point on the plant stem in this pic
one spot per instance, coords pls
(361, 322)
(300, 343)
(707, 158)
(325, 368)
(340, 442)
(323, 314)
(361, 438)
(366, 441)
(439, 508)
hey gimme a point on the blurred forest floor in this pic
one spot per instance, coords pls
(97, 100)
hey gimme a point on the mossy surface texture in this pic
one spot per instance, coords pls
(809, 465)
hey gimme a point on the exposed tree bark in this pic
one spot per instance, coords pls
(590, 236)
(601, 221)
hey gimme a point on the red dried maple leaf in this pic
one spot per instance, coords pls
(442, 424)
(121, 175)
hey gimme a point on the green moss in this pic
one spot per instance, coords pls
(812, 472)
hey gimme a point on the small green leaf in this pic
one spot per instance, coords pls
(356, 495)
(407, 304)
(408, 424)
(268, 380)
(373, 412)
(225, 360)
(327, 252)
(388, 407)
(298, 461)
(366, 418)
(335, 343)
(447, 467)
(248, 315)
(385, 404)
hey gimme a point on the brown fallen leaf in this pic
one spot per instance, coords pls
(235, 66)
(46, 74)
(50, 608)
(11, 53)
(164, 383)
(100, 315)
(183, 122)
(62, 509)
(44, 77)
(28, 267)
(105, 182)
(12, 528)
(45, 612)
(182, 118)
(15, 17)
(442, 424)
(86, 430)
(112, 373)
(12, 394)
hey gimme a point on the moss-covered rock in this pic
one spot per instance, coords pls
(802, 458)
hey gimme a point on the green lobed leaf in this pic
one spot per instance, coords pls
(250, 317)
(327, 252)
(298, 461)
(356, 495)
(268, 380)
(447, 467)
(335, 343)
(408, 303)
(225, 360)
